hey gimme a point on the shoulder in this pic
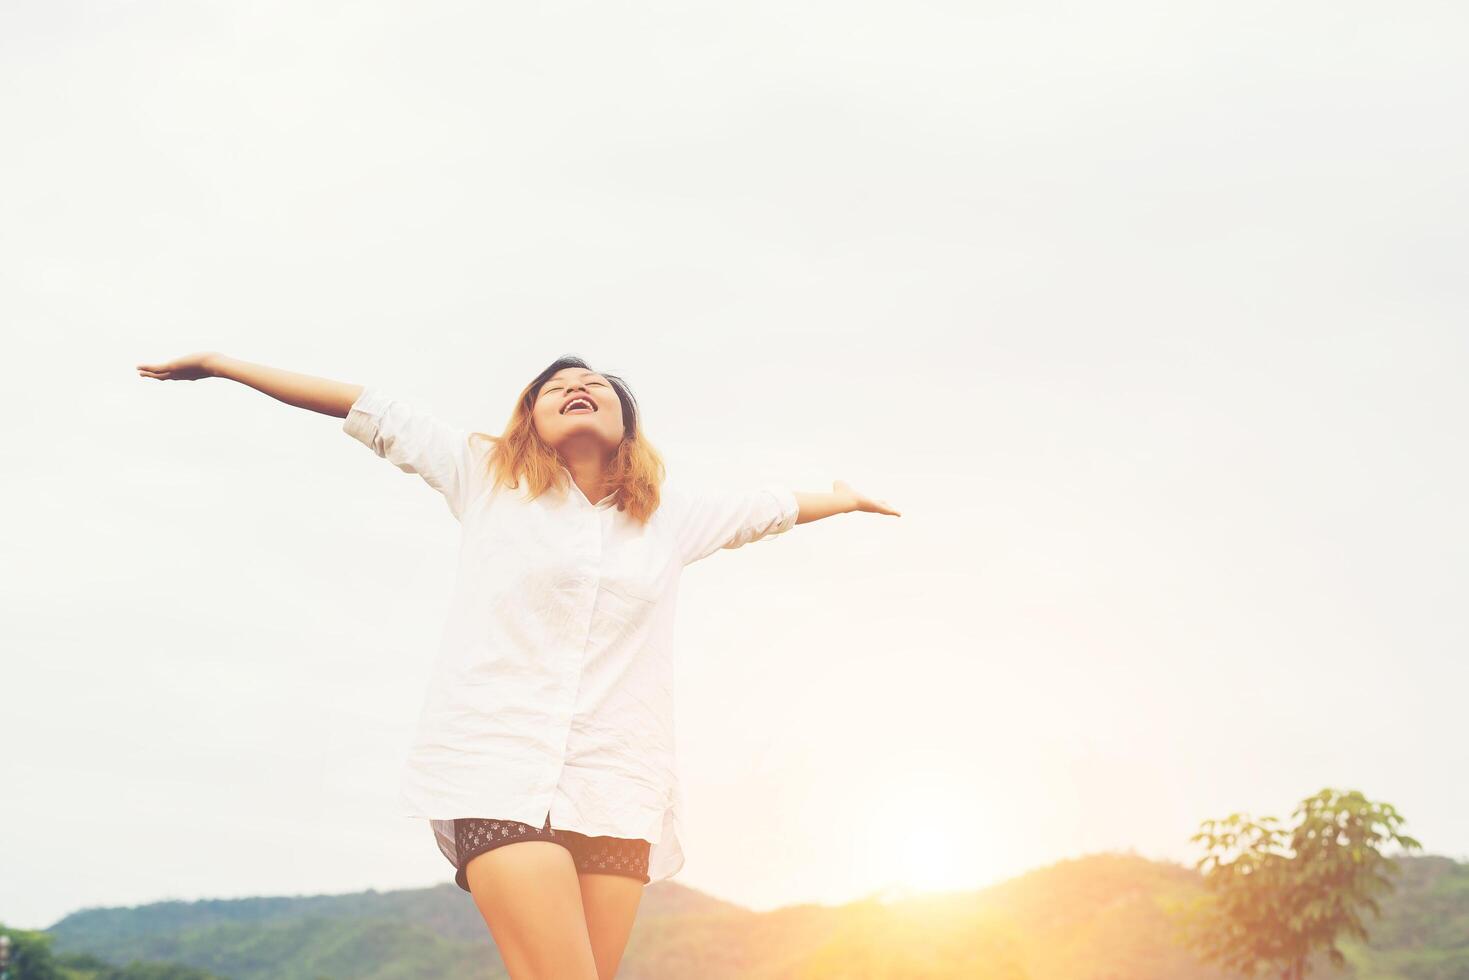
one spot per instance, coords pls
(482, 445)
(677, 498)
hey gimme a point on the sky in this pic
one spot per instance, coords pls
(1145, 315)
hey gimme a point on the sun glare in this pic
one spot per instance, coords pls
(926, 835)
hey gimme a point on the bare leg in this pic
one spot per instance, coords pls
(611, 904)
(528, 894)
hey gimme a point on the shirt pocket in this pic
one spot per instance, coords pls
(624, 613)
(636, 568)
(630, 584)
(635, 590)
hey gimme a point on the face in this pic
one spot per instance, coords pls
(598, 425)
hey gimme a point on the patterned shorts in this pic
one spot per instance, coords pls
(603, 855)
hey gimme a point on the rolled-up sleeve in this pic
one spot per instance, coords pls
(710, 520)
(416, 442)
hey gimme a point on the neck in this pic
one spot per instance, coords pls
(588, 471)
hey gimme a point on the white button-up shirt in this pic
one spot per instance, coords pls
(552, 692)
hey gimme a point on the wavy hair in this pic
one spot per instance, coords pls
(635, 471)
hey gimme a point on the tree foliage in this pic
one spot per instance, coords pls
(1277, 896)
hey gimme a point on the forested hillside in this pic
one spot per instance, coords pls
(1101, 917)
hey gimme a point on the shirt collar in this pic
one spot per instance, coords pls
(602, 504)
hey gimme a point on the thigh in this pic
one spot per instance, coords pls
(528, 893)
(612, 871)
(611, 904)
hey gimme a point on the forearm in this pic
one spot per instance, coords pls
(816, 505)
(301, 390)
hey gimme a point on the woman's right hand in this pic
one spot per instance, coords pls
(190, 367)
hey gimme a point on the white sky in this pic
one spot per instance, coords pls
(1148, 316)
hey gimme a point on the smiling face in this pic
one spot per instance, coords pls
(578, 407)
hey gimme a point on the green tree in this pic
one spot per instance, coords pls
(30, 956)
(1276, 896)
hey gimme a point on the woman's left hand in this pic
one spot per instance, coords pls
(860, 501)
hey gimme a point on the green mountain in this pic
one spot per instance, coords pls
(1101, 917)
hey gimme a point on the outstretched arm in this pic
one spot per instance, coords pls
(705, 521)
(411, 439)
(301, 390)
(841, 500)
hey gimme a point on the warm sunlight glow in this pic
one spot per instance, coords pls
(926, 835)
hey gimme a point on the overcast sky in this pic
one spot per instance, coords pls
(1150, 317)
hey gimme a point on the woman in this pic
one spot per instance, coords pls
(544, 754)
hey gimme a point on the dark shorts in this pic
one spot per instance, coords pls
(602, 855)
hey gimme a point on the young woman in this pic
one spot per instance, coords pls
(544, 754)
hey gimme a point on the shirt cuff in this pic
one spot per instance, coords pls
(362, 418)
(790, 508)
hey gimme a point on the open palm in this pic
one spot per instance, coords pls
(190, 367)
(861, 501)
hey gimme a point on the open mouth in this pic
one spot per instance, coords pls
(579, 406)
